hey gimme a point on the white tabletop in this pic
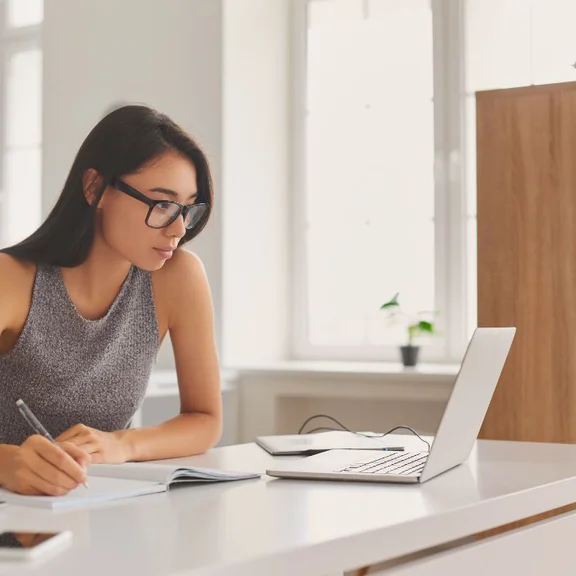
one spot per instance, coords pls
(286, 527)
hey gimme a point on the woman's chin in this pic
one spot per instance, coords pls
(149, 264)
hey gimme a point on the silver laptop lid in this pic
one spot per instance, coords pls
(470, 398)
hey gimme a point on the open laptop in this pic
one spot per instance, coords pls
(465, 411)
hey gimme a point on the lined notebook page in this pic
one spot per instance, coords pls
(100, 489)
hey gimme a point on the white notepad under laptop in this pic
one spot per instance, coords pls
(308, 444)
(457, 432)
(120, 481)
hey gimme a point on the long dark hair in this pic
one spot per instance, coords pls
(124, 141)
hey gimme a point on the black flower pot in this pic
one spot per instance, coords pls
(409, 355)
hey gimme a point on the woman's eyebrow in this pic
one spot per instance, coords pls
(171, 192)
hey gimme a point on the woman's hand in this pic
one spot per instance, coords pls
(40, 467)
(103, 447)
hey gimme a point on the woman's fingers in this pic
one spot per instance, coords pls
(97, 457)
(62, 463)
(79, 453)
(50, 473)
(37, 485)
(73, 432)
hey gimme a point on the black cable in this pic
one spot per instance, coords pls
(323, 429)
(322, 416)
(342, 427)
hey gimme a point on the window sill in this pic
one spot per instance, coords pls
(385, 370)
(164, 382)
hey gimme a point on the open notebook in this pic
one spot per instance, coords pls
(118, 481)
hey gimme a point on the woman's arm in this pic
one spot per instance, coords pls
(37, 466)
(16, 286)
(198, 427)
(10, 278)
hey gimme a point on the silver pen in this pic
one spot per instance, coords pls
(35, 424)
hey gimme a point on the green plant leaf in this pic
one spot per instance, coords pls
(425, 326)
(393, 303)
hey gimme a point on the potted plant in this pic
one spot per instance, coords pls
(416, 327)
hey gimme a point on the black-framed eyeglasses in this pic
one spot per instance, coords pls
(162, 213)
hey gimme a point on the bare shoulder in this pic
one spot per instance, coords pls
(16, 282)
(180, 282)
(182, 272)
(15, 274)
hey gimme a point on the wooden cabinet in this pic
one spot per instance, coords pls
(526, 190)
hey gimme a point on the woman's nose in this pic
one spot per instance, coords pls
(177, 229)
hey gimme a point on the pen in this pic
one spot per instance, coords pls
(36, 424)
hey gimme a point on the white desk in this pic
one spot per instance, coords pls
(278, 527)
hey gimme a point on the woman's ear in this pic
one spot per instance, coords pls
(90, 184)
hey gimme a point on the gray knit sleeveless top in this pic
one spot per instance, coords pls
(70, 370)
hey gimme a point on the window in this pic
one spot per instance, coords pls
(384, 158)
(20, 118)
(367, 216)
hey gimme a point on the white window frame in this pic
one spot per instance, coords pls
(450, 195)
(12, 40)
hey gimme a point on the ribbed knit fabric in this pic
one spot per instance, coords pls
(71, 370)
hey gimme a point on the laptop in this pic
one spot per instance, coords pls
(471, 395)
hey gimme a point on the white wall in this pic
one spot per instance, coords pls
(360, 414)
(163, 53)
(220, 68)
(256, 180)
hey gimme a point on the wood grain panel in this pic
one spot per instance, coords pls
(526, 190)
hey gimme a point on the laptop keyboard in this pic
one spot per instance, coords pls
(401, 463)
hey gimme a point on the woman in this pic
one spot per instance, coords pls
(87, 299)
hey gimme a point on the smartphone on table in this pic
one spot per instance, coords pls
(32, 545)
